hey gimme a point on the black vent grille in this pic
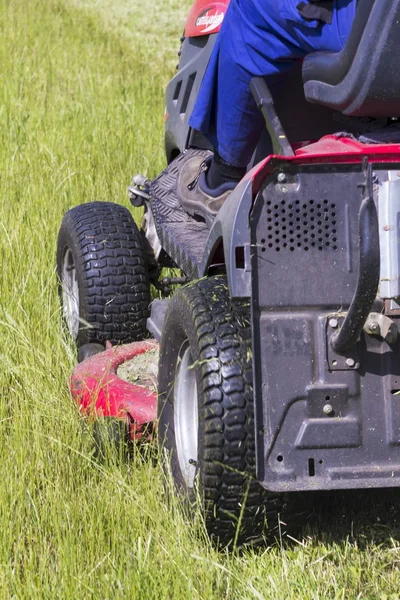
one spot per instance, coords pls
(302, 226)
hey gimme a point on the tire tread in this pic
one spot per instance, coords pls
(108, 252)
(226, 461)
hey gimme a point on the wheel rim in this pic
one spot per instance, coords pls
(186, 419)
(70, 293)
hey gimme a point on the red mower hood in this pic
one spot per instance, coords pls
(205, 17)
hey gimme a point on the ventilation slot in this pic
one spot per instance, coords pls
(188, 91)
(301, 226)
(177, 91)
(311, 467)
(239, 257)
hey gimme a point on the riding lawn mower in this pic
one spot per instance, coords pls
(279, 366)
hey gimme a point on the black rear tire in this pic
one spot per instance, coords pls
(104, 286)
(202, 317)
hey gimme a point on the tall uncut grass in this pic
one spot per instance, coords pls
(81, 110)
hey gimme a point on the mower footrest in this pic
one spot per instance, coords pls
(182, 237)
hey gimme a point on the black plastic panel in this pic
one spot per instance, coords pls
(305, 238)
(182, 92)
(317, 427)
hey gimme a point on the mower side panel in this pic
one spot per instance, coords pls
(182, 92)
(323, 421)
(231, 231)
(308, 226)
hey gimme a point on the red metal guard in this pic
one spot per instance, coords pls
(99, 392)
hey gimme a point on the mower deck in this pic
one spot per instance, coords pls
(100, 392)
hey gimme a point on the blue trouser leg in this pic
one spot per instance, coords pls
(257, 38)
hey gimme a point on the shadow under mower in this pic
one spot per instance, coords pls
(279, 368)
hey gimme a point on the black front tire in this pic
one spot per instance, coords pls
(104, 285)
(89, 350)
(217, 330)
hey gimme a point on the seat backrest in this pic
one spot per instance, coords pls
(362, 80)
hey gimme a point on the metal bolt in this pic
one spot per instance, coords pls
(328, 409)
(281, 177)
(350, 362)
(373, 326)
(333, 323)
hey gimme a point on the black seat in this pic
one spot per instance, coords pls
(363, 80)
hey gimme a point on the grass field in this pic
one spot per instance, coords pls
(81, 110)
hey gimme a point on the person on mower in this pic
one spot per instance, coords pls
(257, 38)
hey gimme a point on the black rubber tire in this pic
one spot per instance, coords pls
(111, 273)
(219, 334)
(89, 350)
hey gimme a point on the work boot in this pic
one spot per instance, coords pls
(193, 192)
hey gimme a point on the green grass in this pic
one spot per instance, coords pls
(81, 110)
